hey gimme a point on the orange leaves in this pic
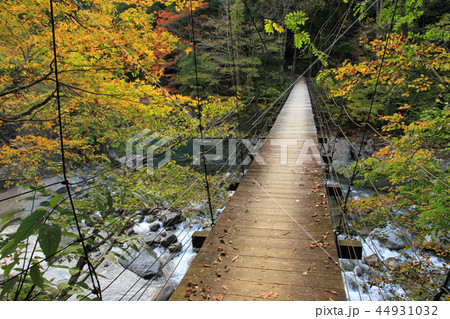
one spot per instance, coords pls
(270, 295)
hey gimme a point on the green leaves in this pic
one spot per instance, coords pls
(49, 239)
(270, 27)
(36, 276)
(302, 38)
(295, 20)
(49, 235)
(30, 224)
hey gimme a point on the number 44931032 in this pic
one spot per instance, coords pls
(407, 310)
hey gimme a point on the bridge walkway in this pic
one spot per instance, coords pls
(274, 240)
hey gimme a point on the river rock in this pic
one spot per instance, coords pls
(172, 218)
(361, 269)
(155, 226)
(341, 154)
(372, 260)
(390, 237)
(144, 263)
(165, 293)
(152, 239)
(171, 239)
(392, 262)
(347, 264)
(175, 247)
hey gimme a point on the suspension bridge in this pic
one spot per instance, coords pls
(274, 240)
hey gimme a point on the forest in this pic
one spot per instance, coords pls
(82, 80)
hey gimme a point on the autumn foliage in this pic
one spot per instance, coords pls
(110, 61)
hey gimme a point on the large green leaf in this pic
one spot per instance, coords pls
(55, 201)
(9, 248)
(49, 239)
(30, 224)
(9, 215)
(36, 276)
(9, 286)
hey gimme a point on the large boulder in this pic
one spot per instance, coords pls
(390, 237)
(169, 240)
(143, 263)
(342, 155)
(171, 219)
(152, 238)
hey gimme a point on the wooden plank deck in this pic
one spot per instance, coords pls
(274, 240)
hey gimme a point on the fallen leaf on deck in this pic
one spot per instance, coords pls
(269, 295)
(217, 298)
(274, 295)
(331, 291)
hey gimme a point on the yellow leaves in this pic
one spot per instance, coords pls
(270, 27)
(404, 107)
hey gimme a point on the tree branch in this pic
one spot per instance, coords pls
(30, 110)
(10, 90)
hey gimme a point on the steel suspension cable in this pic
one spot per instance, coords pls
(200, 114)
(94, 279)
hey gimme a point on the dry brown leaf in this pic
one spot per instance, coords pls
(274, 295)
(217, 298)
(331, 291)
